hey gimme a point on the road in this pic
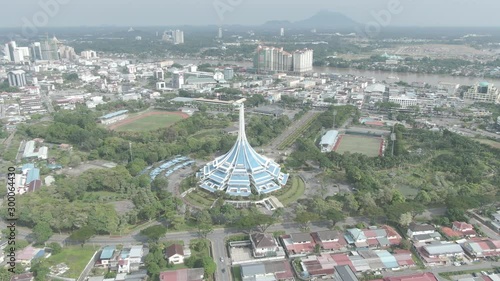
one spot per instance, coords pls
(488, 231)
(273, 146)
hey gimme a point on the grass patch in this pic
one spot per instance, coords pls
(491, 143)
(75, 257)
(236, 273)
(290, 194)
(199, 200)
(237, 237)
(293, 137)
(368, 146)
(149, 123)
(200, 251)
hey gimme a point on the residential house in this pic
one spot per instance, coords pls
(356, 237)
(185, 274)
(482, 248)
(298, 244)
(419, 229)
(174, 254)
(263, 245)
(275, 270)
(107, 257)
(439, 253)
(329, 240)
(427, 276)
(465, 228)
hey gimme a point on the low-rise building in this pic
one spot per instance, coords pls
(298, 244)
(276, 270)
(482, 248)
(263, 245)
(419, 229)
(185, 274)
(174, 254)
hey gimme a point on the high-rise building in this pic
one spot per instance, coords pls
(178, 36)
(228, 73)
(272, 59)
(17, 78)
(10, 49)
(174, 36)
(89, 54)
(67, 53)
(220, 32)
(50, 49)
(21, 54)
(483, 92)
(242, 170)
(302, 61)
(36, 51)
(159, 74)
(177, 80)
(282, 32)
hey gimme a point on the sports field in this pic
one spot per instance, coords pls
(370, 146)
(148, 121)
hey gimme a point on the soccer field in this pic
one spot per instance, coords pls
(148, 121)
(369, 146)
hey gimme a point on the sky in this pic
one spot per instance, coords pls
(246, 12)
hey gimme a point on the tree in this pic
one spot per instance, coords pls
(55, 247)
(405, 219)
(305, 217)
(154, 233)
(264, 221)
(42, 232)
(209, 265)
(4, 274)
(204, 229)
(334, 216)
(40, 269)
(82, 235)
(405, 244)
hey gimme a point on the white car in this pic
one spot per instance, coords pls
(221, 259)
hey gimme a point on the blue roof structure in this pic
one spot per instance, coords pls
(33, 174)
(107, 252)
(242, 170)
(113, 114)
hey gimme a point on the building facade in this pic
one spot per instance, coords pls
(17, 78)
(483, 92)
(242, 170)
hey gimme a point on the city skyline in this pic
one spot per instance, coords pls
(223, 12)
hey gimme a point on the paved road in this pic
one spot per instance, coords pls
(488, 231)
(273, 146)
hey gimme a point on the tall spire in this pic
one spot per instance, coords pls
(242, 135)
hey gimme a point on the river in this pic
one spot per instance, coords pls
(432, 79)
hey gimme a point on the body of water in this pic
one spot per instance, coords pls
(432, 79)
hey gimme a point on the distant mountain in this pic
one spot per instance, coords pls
(322, 19)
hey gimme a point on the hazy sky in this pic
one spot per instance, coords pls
(247, 12)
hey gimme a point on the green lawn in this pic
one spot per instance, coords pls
(75, 257)
(359, 144)
(200, 199)
(149, 123)
(291, 192)
(236, 272)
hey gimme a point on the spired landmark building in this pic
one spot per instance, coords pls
(242, 170)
